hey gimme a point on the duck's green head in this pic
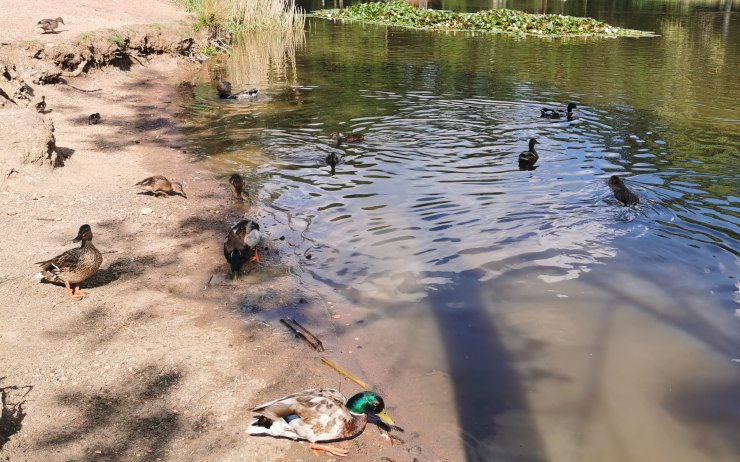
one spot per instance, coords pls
(369, 402)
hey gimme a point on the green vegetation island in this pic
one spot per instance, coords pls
(500, 20)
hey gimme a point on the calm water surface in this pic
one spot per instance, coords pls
(514, 315)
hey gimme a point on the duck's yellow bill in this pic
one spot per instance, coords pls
(382, 415)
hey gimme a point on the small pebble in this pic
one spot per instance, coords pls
(146, 211)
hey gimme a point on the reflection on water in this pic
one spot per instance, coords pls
(527, 312)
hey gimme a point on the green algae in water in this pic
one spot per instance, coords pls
(498, 20)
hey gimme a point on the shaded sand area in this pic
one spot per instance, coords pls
(156, 363)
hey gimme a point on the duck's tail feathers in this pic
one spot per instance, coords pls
(39, 276)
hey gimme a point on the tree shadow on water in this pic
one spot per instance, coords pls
(491, 405)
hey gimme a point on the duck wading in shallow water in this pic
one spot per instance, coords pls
(318, 415)
(622, 192)
(49, 25)
(527, 159)
(224, 90)
(237, 186)
(161, 186)
(73, 266)
(547, 113)
(241, 242)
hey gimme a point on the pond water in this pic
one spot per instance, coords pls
(512, 315)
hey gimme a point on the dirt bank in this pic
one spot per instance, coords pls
(155, 364)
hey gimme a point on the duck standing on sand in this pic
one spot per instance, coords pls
(161, 186)
(73, 266)
(237, 185)
(318, 415)
(41, 105)
(49, 25)
(622, 192)
(241, 241)
(548, 113)
(527, 159)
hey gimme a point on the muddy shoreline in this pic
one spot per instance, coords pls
(156, 363)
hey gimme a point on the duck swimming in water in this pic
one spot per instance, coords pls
(241, 241)
(622, 192)
(318, 415)
(351, 138)
(527, 159)
(332, 159)
(224, 90)
(548, 113)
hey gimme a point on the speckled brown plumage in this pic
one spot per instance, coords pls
(161, 186)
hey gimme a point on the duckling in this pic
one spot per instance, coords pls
(351, 138)
(622, 192)
(527, 159)
(223, 87)
(94, 119)
(332, 159)
(241, 239)
(161, 186)
(48, 25)
(318, 415)
(41, 105)
(547, 113)
(75, 265)
(236, 183)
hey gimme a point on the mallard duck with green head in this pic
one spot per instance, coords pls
(622, 192)
(528, 158)
(241, 242)
(548, 113)
(318, 415)
(75, 265)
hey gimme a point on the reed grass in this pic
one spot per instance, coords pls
(240, 16)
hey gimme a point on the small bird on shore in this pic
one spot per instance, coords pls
(159, 185)
(241, 242)
(318, 415)
(41, 105)
(94, 119)
(528, 158)
(622, 192)
(237, 185)
(332, 159)
(548, 113)
(351, 138)
(73, 266)
(49, 25)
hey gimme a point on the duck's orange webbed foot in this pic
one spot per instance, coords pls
(256, 257)
(77, 295)
(338, 452)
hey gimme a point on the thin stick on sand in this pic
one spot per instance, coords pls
(343, 371)
(303, 333)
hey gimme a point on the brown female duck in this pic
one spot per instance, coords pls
(527, 159)
(238, 187)
(622, 192)
(49, 25)
(159, 185)
(75, 265)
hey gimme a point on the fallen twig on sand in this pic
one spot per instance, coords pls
(304, 333)
(343, 371)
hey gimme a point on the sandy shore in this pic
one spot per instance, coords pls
(156, 363)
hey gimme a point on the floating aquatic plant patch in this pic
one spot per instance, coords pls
(500, 20)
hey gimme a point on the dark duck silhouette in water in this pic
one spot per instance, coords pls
(241, 242)
(622, 192)
(332, 159)
(527, 159)
(548, 113)
(238, 187)
(224, 90)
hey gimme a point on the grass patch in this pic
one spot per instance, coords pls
(116, 39)
(239, 16)
(499, 20)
